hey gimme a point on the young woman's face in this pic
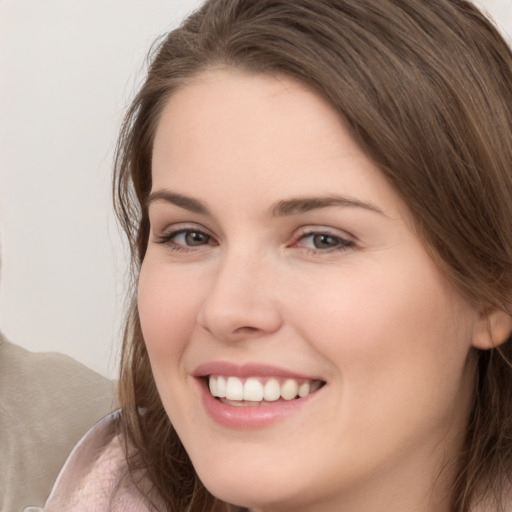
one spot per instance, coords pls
(283, 269)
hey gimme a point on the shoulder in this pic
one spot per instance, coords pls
(31, 382)
(51, 397)
(47, 402)
(96, 475)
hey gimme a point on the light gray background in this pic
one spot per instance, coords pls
(67, 71)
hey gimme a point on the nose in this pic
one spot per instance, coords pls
(241, 302)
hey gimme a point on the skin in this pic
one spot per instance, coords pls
(368, 312)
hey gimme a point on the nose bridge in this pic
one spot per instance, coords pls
(241, 300)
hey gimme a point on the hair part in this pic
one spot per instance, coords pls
(425, 89)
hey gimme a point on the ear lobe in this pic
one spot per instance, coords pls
(494, 328)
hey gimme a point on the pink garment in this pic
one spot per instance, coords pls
(95, 476)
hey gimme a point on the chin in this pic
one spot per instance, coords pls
(258, 490)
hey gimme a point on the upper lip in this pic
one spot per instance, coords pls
(247, 370)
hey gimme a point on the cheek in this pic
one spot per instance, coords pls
(399, 337)
(168, 304)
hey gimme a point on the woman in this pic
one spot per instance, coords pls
(316, 194)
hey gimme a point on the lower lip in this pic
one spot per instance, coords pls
(249, 417)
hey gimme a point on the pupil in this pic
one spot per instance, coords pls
(195, 238)
(324, 241)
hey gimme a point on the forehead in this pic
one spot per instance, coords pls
(232, 114)
(254, 137)
(255, 106)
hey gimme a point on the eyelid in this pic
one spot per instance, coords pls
(346, 241)
(319, 230)
(181, 226)
(165, 235)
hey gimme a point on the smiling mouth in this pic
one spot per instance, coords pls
(259, 391)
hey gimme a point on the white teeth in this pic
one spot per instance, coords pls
(221, 386)
(212, 384)
(289, 389)
(272, 390)
(253, 390)
(304, 389)
(234, 389)
(256, 390)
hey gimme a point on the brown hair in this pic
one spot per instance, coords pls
(426, 90)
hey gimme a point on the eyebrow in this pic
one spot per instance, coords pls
(282, 208)
(188, 203)
(306, 204)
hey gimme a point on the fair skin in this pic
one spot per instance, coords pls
(243, 278)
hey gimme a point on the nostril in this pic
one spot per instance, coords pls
(246, 329)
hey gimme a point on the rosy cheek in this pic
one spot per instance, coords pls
(168, 308)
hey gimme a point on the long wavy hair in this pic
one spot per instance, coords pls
(425, 88)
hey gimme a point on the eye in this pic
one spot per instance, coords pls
(191, 238)
(323, 241)
(185, 239)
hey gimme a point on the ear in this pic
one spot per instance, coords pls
(493, 328)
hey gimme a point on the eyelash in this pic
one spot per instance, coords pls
(342, 244)
(167, 239)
